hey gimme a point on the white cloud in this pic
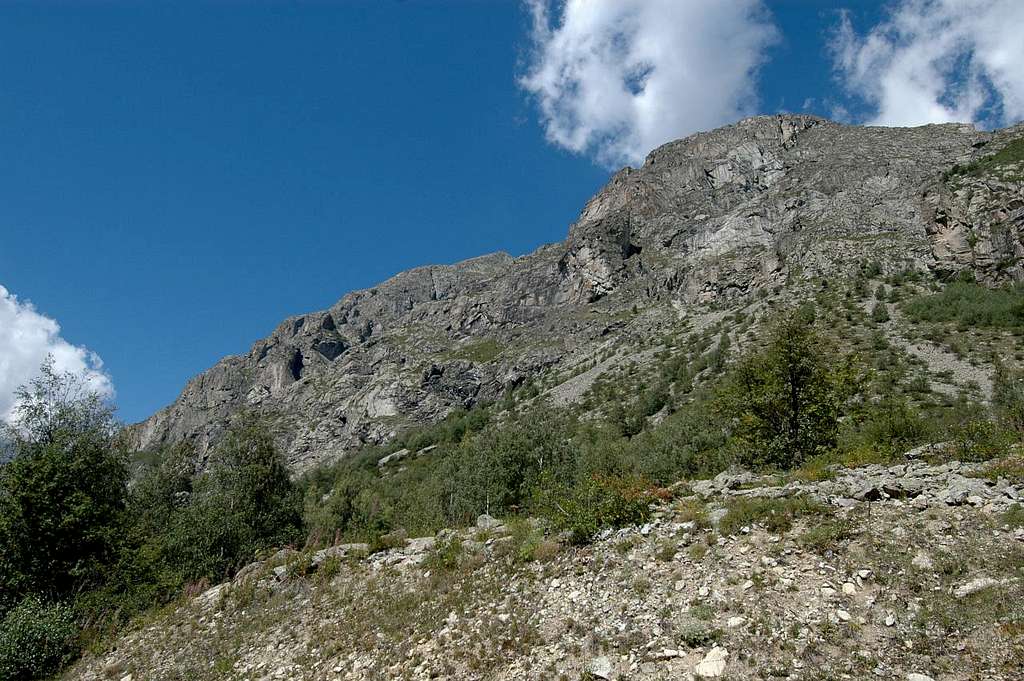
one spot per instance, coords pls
(26, 338)
(616, 78)
(934, 61)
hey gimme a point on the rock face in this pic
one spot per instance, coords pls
(714, 218)
(977, 221)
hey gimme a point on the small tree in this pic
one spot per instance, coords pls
(62, 494)
(243, 502)
(785, 401)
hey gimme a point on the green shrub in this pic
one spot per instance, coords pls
(388, 541)
(890, 427)
(448, 554)
(687, 444)
(775, 515)
(329, 569)
(244, 502)
(1014, 516)
(696, 634)
(1008, 396)
(36, 640)
(594, 504)
(827, 535)
(970, 305)
(979, 439)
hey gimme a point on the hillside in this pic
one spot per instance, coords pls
(767, 209)
(759, 416)
(908, 572)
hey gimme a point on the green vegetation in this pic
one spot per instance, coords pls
(82, 550)
(786, 400)
(36, 639)
(775, 515)
(1011, 153)
(970, 305)
(479, 351)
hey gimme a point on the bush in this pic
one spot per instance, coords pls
(1008, 396)
(686, 444)
(448, 554)
(594, 504)
(775, 515)
(243, 502)
(978, 439)
(890, 427)
(36, 640)
(969, 304)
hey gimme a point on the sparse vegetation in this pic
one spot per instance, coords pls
(1010, 154)
(775, 515)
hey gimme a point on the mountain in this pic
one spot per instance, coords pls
(768, 207)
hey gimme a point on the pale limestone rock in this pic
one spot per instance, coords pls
(713, 664)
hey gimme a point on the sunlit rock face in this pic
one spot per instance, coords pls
(712, 219)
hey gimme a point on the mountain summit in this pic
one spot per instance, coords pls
(765, 207)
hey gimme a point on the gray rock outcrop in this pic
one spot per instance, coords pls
(715, 217)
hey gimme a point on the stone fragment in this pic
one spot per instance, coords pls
(974, 586)
(713, 664)
(600, 667)
(487, 522)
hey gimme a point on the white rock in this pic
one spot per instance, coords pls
(922, 561)
(747, 585)
(849, 589)
(734, 622)
(843, 615)
(890, 619)
(974, 586)
(601, 667)
(487, 522)
(919, 677)
(713, 664)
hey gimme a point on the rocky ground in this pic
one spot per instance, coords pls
(913, 571)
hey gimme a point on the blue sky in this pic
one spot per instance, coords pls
(177, 178)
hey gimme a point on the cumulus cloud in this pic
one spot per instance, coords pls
(616, 78)
(934, 61)
(26, 339)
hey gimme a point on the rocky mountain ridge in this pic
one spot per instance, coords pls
(709, 222)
